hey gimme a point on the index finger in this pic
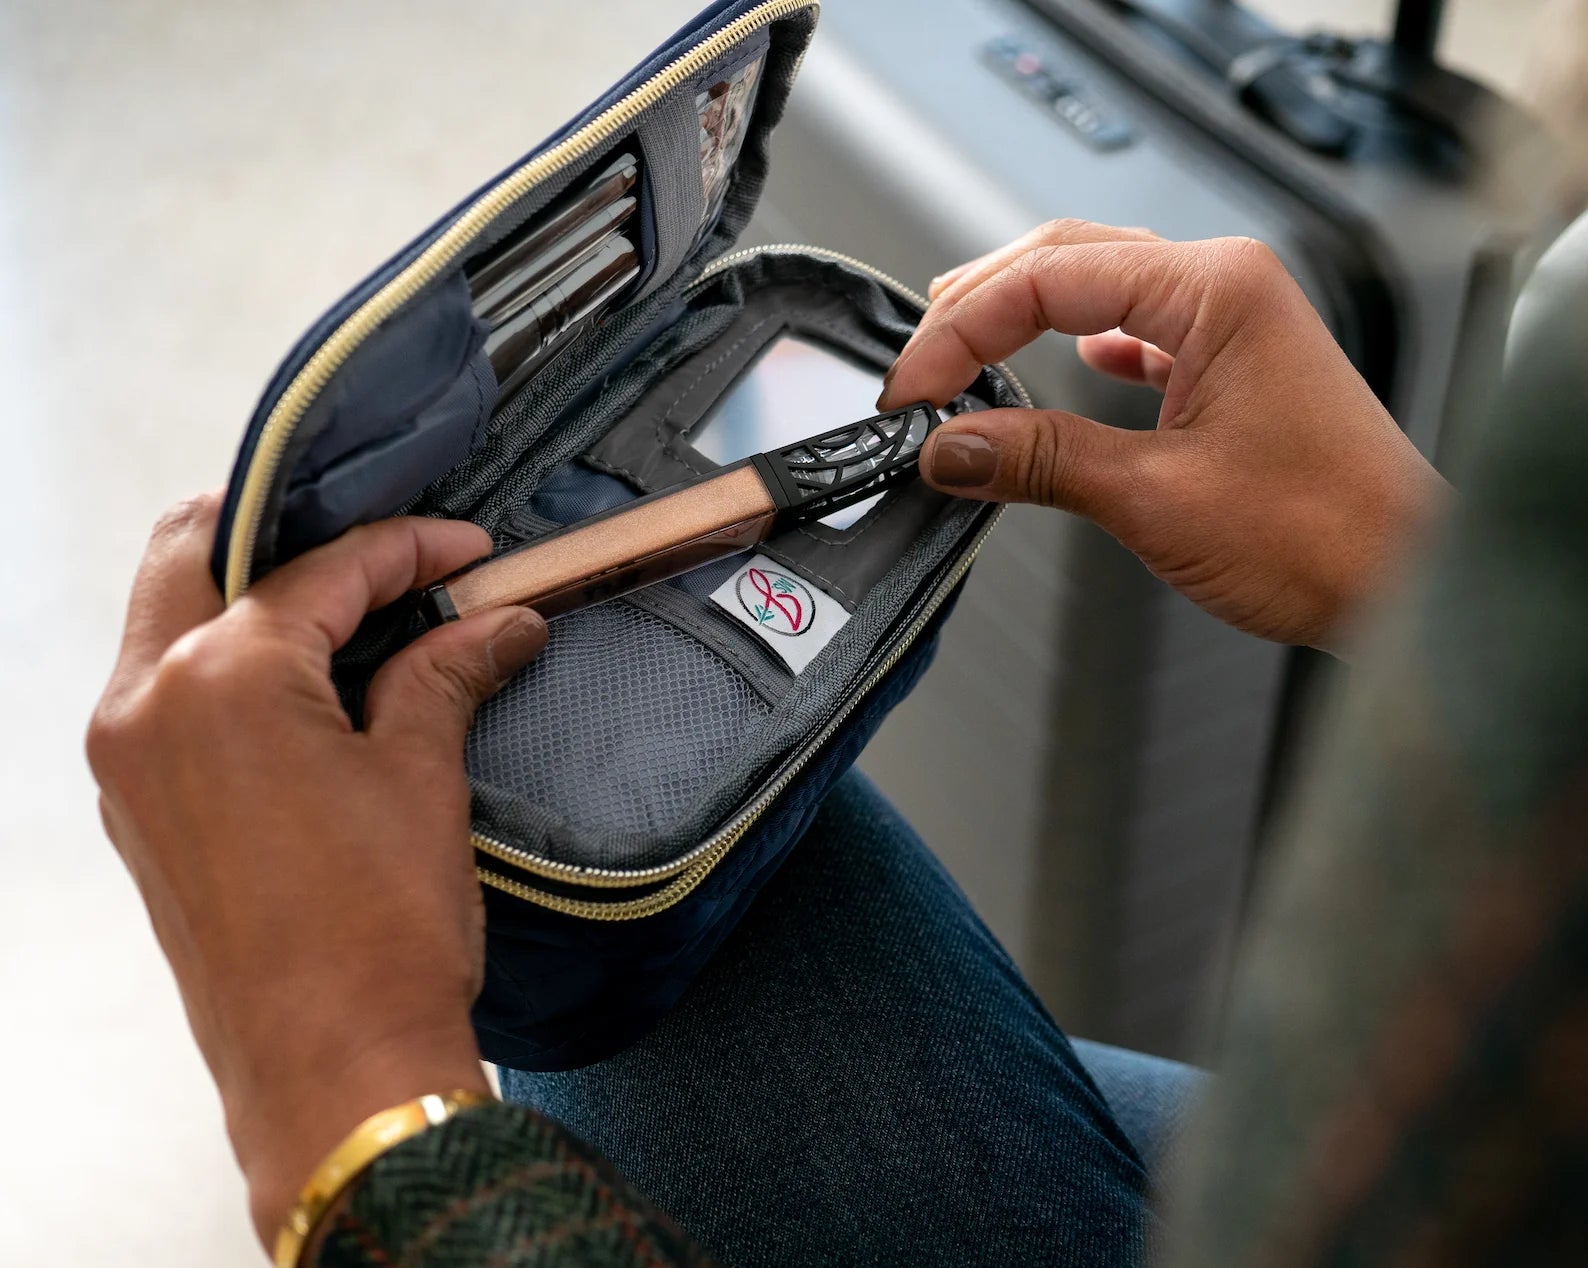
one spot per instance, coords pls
(173, 591)
(1055, 233)
(323, 594)
(1152, 290)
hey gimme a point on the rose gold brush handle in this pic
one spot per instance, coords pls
(646, 541)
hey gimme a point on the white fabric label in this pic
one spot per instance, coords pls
(789, 615)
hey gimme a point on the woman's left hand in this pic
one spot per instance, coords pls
(311, 883)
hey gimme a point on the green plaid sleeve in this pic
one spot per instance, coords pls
(1405, 1075)
(500, 1187)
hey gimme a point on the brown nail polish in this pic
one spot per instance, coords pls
(962, 460)
(513, 648)
(887, 386)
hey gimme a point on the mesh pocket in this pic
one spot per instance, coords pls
(620, 726)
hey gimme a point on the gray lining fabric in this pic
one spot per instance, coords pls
(678, 196)
(508, 456)
(678, 199)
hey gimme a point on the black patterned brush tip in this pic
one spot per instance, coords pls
(822, 474)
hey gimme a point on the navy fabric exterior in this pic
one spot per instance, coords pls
(862, 1076)
(709, 20)
(411, 401)
(562, 992)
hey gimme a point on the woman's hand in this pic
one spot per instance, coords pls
(1276, 492)
(311, 884)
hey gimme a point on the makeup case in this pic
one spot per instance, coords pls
(635, 786)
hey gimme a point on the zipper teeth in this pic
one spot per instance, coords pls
(694, 867)
(333, 353)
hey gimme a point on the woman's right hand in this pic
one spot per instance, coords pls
(1276, 492)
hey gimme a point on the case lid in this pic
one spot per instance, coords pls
(393, 386)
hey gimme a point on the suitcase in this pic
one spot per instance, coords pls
(1127, 747)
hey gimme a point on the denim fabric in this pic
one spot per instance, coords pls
(1152, 1097)
(861, 1075)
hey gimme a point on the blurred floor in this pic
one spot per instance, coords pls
(182, 188)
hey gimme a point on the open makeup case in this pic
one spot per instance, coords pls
(635, 786)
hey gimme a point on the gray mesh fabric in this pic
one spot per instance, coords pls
(619, 727)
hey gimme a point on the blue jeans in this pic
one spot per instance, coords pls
(862, 1076)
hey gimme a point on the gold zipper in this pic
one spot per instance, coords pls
(694, 867)
(435, 259)
(687, 872)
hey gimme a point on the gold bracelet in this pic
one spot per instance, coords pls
(358, 1150)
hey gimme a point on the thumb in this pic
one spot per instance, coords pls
(1037, 455)
(432, 687)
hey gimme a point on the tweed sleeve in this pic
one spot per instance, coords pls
(1405, 1079)
(503, 1187)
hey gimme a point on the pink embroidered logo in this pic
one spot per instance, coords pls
(779, 604)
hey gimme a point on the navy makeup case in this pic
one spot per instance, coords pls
(635, 786)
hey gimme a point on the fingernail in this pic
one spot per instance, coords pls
(936, 282)
(962, 460)
(887, 386)
(512, 648)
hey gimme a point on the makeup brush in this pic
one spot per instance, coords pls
(690, 524)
